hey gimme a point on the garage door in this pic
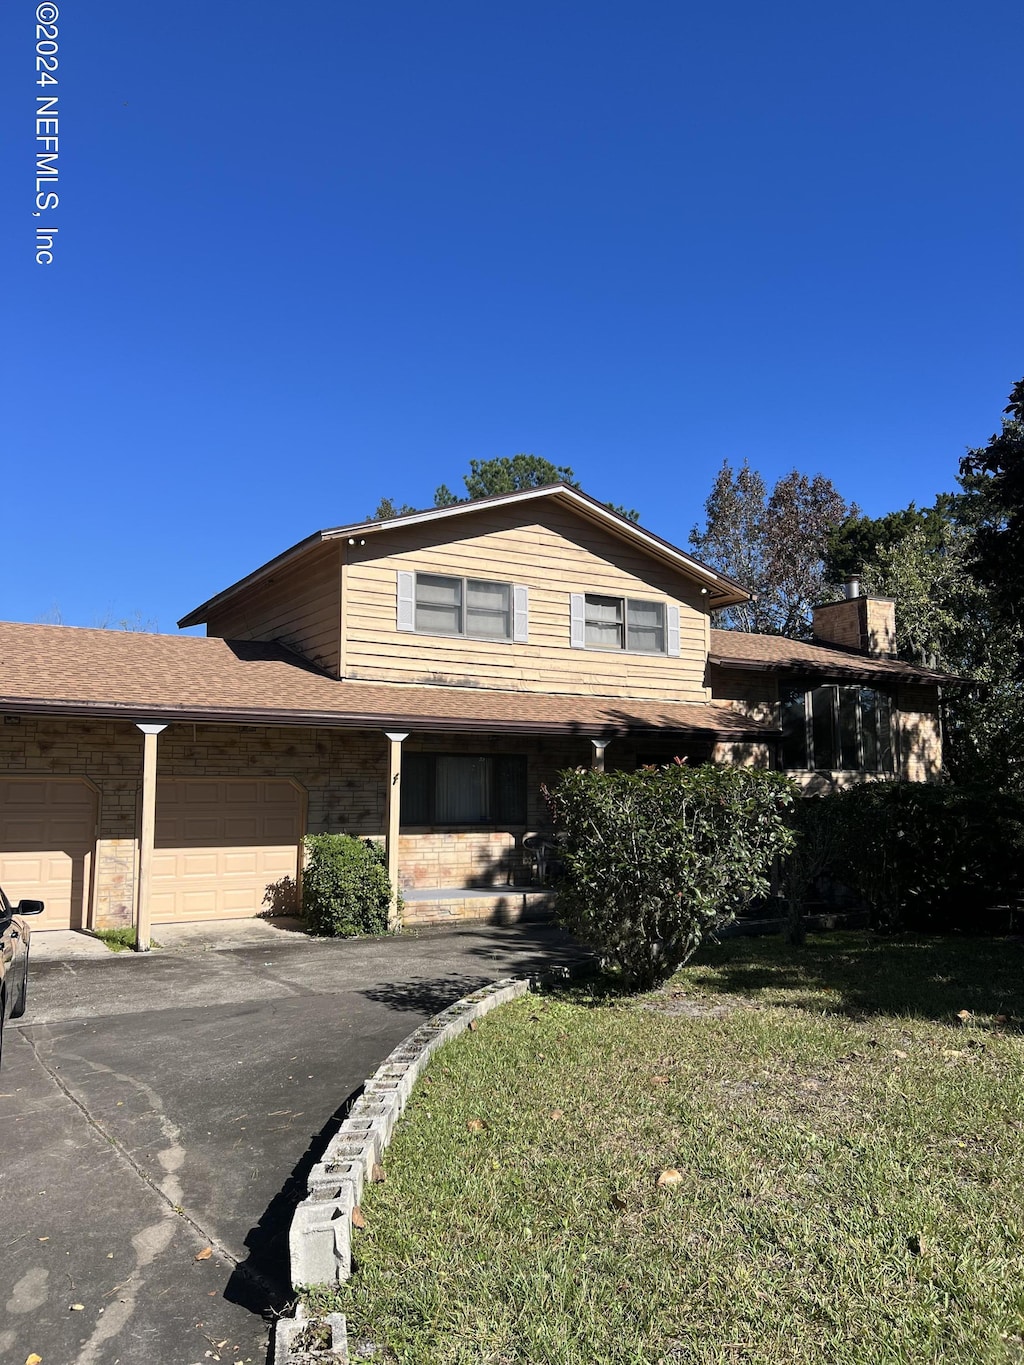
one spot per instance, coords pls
(220, 845)
(47, 837)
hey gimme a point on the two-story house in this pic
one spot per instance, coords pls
(417, 680)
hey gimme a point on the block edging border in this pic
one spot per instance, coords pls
(320, 1236)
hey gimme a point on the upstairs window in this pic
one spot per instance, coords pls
(628, 623)
(475, 608)
(837, 729)
(464, 789)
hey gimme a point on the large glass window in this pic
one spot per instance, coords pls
(833, 728)
(463, 606)
(464, 789)
(624, 623)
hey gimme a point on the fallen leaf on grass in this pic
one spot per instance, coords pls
(555, 1114)
(473, 1026)
(477, 1125)
(659, 1080)
(378, 1175)
(618, 1203)
(899, 1054)
(358, 1221)
(999, 1019)
(205, 1254)
(964, 1015)
(670, 1177)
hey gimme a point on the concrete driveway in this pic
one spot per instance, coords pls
(159, 1114)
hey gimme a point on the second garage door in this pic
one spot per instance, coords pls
(47, 837)
(221, 844)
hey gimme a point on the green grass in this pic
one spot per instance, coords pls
(850, 1151)
(121, 940)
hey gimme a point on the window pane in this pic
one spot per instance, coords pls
(794, 730)
(488, 609)
(417, 789)
(869, 728)
(462, 790)
(849, 750)
(604, 622)
(646, 626)
(438, 604)
(823, 707)
(510, 789)
(883, 706)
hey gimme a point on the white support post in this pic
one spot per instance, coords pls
(597, 763)
(147, 837)
(393, 807)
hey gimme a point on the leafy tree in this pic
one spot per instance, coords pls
(503, 474)
(774, 544)
(386, 509)
(993, 481)
(511, 474)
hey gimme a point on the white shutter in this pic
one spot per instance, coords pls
(520, 613)
(672, 632)
(577, 629)
(406, 601)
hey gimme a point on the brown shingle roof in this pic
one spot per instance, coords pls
(777, 654)
(74, 671)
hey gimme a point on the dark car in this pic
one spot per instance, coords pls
(15, 934)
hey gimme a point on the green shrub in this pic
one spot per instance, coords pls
(657, 858)
(924, 856)
(345, 886)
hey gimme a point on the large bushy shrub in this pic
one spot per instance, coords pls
(345, 886)
(657, 858)
(923, 856)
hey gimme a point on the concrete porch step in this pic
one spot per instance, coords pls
(493, 904)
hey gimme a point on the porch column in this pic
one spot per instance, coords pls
(393, 815)
(597, 762)
(148, 835)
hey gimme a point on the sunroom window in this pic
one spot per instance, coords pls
(835, 728)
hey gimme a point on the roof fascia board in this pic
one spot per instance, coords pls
(812, 667)
(201, 614)
(355, 720)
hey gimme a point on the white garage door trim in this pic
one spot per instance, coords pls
(77, 913)
(194, 840)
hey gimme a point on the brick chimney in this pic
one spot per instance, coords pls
(866, 624)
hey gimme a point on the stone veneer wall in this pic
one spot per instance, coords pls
(343, 771)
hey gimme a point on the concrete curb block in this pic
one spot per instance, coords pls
(320, 1237)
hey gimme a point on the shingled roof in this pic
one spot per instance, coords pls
(777, 654)
(75, 671)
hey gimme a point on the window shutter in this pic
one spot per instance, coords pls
(577, 632)
(406, 601)
(520, 614)
(672, 632)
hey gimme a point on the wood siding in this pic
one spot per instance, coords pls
(553, 554)
(299, 606)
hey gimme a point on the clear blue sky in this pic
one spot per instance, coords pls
(311, 255)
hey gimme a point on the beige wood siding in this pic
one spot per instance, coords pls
(552, 553)
(47, 839)
(221, 844)
(752, 694)
(299, 605)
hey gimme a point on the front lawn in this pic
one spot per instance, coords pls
(844, 1126)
